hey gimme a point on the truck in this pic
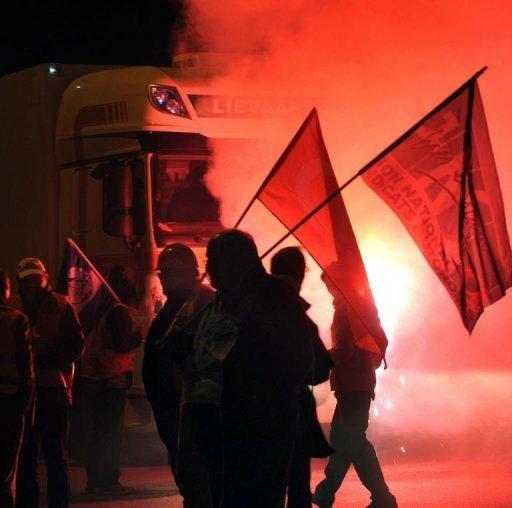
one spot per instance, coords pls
(115, 158)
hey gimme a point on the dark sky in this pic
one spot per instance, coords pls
(135, 32)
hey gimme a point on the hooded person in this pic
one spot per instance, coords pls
(179, 275)
(57, 343)
(250, 355)
(310, 441)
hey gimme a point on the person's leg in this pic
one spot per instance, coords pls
(299, 490)
(209, 440)
(167, 417)
(27, 488)
(54, 423)
(103, 463)
(338, 463)
(258, 454)
(361, 451)
(11, 433)
(191, 463)
(115, 435)
(78, 421)
(89, 391)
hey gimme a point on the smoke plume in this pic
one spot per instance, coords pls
(373, 69)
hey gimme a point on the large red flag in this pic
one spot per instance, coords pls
(441, 181)
(301, 179)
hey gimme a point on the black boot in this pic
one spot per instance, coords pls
(387, 500)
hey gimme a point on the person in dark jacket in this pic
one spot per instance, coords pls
(258, 329)
(179, 275)
(106, 376)
(310, 441)
(353, 382)
(16, 389)
(57, 342)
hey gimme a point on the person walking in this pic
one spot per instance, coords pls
(57, 342)
(310, 440)
(353, 382)
(106, 376)
(16, 389)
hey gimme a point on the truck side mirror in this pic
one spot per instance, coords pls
(118, 200)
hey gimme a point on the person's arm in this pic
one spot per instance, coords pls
(122, 329)
(342, 336)
(301, 332)
(72, 337)
(24, 363)
(322, 360)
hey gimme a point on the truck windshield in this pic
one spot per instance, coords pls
(183, 205)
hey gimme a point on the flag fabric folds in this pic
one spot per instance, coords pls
(441, 181)
(86, 289)
(302, 179)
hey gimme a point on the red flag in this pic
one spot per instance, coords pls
(302, 179)
(442, 183)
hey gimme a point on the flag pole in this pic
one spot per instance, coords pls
(276, 166)
(93, 268)
(376, 159)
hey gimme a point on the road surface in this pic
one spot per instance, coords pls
(442, 484)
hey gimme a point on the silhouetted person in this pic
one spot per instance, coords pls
(252, 353)
(16, 389)
(57, 342)
(106, 376)
(353, 382)
(179, 275)
(310, 441)
(193, 202)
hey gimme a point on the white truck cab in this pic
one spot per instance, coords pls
(115, 157)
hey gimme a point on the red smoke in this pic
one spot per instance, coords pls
(373, 69)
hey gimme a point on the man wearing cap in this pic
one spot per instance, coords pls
(57, 342)
(16, 389)
(179, 275)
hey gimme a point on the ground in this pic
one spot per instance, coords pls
(442, 484)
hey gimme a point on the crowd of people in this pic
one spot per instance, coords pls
(227, 370)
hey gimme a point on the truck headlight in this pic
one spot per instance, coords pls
(168, 100)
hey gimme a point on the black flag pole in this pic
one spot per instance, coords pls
(291, 144)
(376, 159)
